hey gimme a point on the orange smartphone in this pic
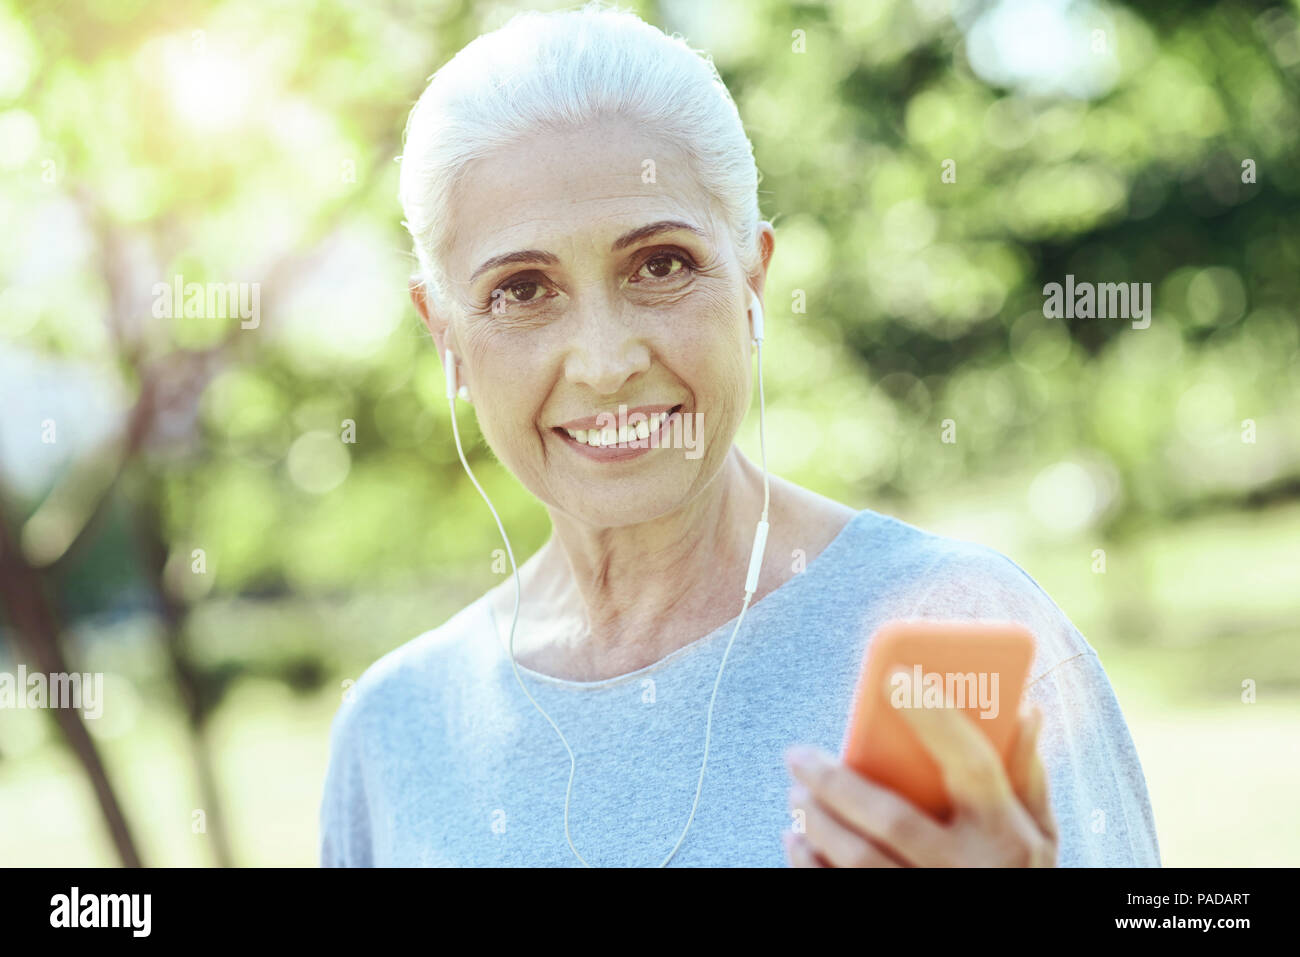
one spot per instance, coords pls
(977, 667)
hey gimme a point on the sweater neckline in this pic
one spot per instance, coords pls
(766, 602)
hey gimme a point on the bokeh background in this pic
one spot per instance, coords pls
(183, 509)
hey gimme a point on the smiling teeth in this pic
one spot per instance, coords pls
(598, 438)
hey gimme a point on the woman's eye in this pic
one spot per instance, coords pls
(661, 266)
(520, 292)
(525, 291)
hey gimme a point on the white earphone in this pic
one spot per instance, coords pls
(751, 578)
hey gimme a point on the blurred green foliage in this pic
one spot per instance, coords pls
(217, 142)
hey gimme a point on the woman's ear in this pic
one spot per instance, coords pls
(766, 243)
(434, 318)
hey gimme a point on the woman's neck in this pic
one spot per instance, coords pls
(603, 602)
(672, 574)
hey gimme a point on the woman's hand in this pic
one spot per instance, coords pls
(850, 821)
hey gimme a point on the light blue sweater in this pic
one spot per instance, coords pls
(438, 758)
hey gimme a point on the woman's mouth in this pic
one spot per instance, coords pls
(625, 441)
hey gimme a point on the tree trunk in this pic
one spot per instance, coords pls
(148, 524)
(30, 607)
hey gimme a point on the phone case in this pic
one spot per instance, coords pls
(978, 667)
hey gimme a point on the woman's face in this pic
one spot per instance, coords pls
(571, 306)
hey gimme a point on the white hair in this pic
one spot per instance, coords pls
(551, 72)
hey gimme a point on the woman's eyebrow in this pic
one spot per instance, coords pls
(627, 239)
(522, 256)
(653, 229)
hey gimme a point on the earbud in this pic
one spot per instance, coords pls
(757, 308)
(449, 367)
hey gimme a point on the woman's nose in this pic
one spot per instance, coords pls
(606, 350)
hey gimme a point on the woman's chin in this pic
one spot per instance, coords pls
(627, 500)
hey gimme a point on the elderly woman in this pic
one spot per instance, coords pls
(583, 202)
